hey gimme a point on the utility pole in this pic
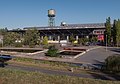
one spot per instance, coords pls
(117, 41)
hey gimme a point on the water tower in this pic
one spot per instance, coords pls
(51, 16)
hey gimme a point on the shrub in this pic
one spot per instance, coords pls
(112, 64)
(1, 45)
(18, 44)
(52, 52)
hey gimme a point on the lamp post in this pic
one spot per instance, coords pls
(106, 42)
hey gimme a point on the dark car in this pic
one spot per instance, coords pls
(3, 59)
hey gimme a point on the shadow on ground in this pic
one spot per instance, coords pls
(114, 49)
(104, 76)
(98, 62)
(3, 64)
(99, 74)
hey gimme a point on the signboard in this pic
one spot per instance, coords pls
(100, 37)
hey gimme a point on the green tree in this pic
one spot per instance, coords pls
(93, 39)
(72, 39)
(10, 38)
(81, 41)
(52, 52)
(32, 37)
(45, 40)
(108, 30)
(3, 31)
(116, 32)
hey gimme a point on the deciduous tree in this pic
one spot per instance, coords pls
(31, 37)
(10, 38)
(116, 32)
(72, 39)
(45, 40)
(108, 30)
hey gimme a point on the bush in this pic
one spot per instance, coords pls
(18, 44)
(52, 52)
(112, 64)
(32, 45)
(1, 45)
(45, 46)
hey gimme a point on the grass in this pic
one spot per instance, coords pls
(61, 66)
(51, 65)
(39, 63)
(11, 76)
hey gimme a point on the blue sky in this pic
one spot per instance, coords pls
(27, 13)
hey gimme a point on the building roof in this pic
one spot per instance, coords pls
(70, 26)
(92, 25)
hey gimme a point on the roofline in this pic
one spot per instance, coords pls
(69, 26)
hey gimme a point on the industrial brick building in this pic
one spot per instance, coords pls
(64, 31)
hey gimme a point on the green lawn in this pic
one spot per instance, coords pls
(50, 65)
(60, 66)
(38, 63)
(11, 76)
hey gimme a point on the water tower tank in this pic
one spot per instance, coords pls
(51, 13)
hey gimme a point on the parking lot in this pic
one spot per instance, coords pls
(97, 56)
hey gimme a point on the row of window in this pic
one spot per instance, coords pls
(98, 32)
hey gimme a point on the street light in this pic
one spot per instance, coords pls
(106, 42)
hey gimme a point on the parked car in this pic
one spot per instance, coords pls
(3, 59)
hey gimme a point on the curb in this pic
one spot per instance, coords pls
(79, 54)
(37, 52)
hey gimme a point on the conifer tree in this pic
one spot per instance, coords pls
(114, 32)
